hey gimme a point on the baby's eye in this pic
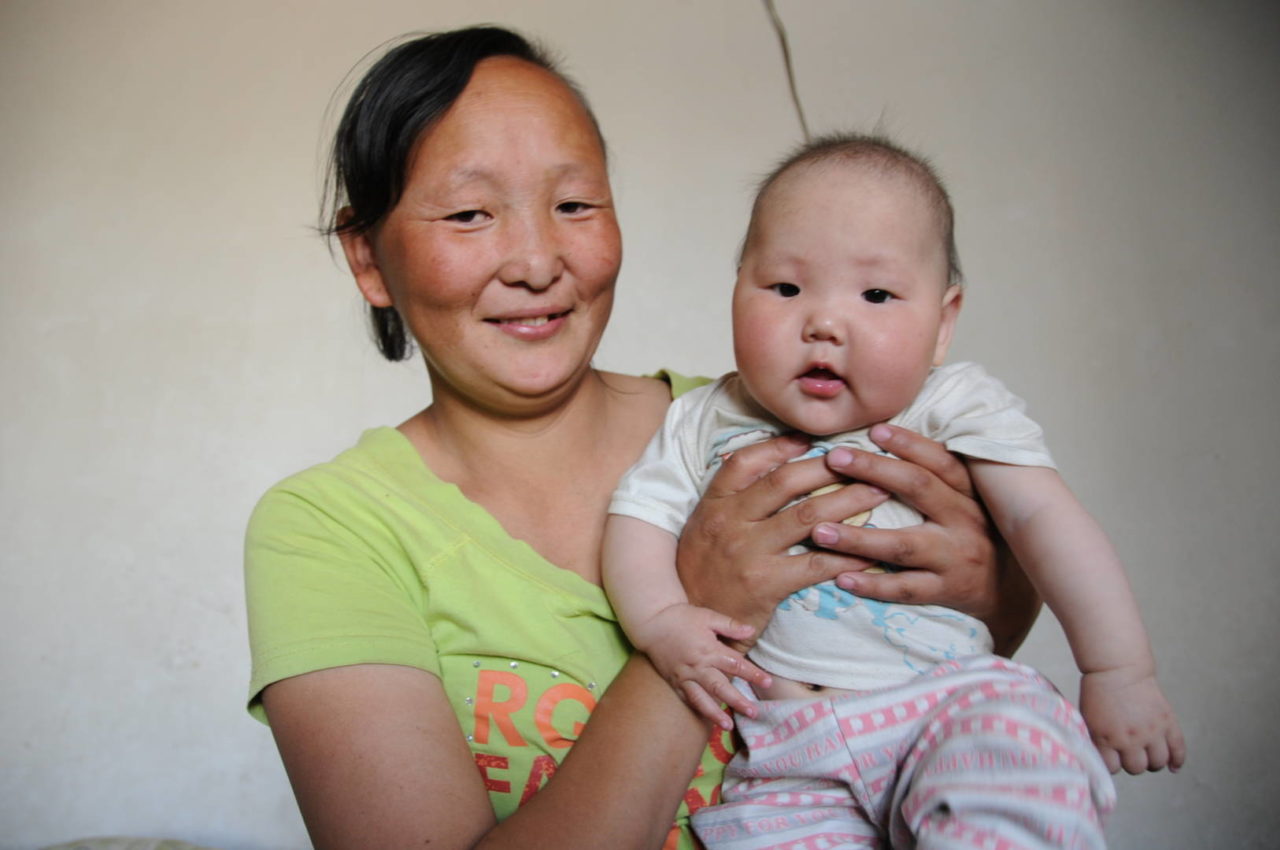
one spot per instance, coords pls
(786, 290)
(877, 296)
(573, 207)
(467, 216)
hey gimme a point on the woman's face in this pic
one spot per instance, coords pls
(502, 253)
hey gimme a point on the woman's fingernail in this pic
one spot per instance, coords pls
(825, 535)
(847, 581)
(840, 456)
(881, 433)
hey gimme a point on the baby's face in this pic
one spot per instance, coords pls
(842, 304)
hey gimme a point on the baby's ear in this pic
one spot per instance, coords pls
(951, 301)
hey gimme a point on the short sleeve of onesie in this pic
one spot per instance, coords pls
(972, 413)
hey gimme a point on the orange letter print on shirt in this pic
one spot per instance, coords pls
(547, 703)
(488, 707)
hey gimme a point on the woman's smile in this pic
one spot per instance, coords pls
(532, 328)
(533, 254)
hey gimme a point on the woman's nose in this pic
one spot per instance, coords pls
(534, 256)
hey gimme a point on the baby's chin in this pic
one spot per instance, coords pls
(825, 426)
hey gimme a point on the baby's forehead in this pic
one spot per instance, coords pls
(849, 183)
(822, 177)
(846, 192)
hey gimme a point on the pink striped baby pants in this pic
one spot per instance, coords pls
(976, 753)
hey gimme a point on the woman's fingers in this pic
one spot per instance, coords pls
(924, 546)
(796, 523)
(952, 556)
(733, 554)
(909, 587)
(747, 466)
(918, 486)
(926, 453)
(738, 534)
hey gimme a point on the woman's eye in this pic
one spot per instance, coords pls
(786, 290)
(467, 216)
(877, 296)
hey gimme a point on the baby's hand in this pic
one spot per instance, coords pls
(684, 645)
(1131, 722)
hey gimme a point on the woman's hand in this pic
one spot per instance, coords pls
(949, 558)
(954, 558)
(732, 554)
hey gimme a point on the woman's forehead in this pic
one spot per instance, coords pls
(513, 102)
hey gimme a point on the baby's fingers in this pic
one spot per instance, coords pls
(1167, 750)
(734, 698)
(702, 702)
(1157, 754)
(1177, 749)
(740, 667)
(728, 627)
(1134, 759)
(1110, 758)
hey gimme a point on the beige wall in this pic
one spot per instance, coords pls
(173, 339)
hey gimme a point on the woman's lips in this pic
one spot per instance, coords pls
(821, 382)
(532, 328)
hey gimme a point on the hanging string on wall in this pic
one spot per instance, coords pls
(786, 61)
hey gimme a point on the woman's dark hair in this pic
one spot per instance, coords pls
(405, 92)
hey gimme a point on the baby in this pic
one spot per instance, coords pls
(877, 721)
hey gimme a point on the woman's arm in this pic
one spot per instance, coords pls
(733, 557)
(377, 759)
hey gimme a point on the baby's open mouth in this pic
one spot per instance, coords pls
(818, 373)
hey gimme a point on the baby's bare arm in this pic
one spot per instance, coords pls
(682, 640)
(1076, 569)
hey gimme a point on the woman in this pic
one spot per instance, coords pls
(428, 629)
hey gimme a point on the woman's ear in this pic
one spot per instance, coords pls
(363, 262)
(951, 301)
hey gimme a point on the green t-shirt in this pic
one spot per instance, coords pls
(371, 558)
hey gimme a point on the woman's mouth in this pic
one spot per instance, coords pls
(821, 382)
(531, 327)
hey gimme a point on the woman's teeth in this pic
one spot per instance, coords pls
(531, 321)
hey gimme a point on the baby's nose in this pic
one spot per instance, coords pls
(821, 329)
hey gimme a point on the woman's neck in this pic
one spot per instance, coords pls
(546, 478)
(460, 440)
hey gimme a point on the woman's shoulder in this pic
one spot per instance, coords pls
(356, 492)
(381, 454)
(666, 384)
